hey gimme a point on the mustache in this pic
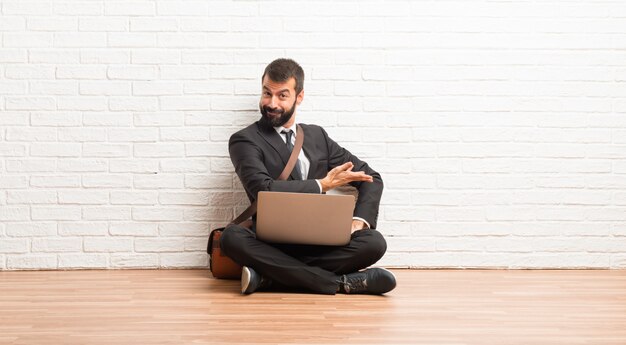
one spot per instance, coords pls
(268, 109)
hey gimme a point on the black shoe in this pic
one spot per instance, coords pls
(373, 281)
(251, 281)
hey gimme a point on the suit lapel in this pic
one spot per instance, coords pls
(273, 138)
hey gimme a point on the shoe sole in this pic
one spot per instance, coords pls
(245, 279)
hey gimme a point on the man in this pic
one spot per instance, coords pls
(259, 154)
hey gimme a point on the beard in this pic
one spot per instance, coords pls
(282, 117)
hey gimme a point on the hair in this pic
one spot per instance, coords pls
(281, 70)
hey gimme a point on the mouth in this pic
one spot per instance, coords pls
(273, 112)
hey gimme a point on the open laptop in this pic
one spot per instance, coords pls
(304, 218)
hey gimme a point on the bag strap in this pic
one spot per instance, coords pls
(291, 163)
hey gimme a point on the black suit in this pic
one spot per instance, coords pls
(259, 155)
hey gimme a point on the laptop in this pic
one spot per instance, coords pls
(304, 218)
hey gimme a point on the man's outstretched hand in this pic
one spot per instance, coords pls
(343, 175)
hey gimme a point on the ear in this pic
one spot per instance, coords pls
(300, 97)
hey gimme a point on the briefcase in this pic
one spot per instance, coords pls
(221, 266)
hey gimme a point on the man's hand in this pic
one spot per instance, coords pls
(343, 175)
(358, 225)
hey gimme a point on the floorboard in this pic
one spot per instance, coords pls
(452, 307)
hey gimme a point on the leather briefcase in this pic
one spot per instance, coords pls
(221, 266)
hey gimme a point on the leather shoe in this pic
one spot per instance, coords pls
(373, 281)
(251, 281)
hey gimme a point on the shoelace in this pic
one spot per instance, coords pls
(355, 283)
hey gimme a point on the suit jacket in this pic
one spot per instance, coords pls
(259, 155)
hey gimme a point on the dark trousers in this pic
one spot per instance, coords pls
(315, 268)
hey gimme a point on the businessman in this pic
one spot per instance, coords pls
(259, 153)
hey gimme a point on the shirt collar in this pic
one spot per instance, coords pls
(281, 128)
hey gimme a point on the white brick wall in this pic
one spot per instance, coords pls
(499, 126)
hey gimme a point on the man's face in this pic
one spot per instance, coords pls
(279, 101)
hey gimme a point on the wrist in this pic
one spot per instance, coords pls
(366, 225)
(324, 185)
(358, 225)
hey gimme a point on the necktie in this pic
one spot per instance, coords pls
(296, 168)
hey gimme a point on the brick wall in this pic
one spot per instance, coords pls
(499, 126)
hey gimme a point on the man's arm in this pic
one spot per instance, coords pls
(370, 189)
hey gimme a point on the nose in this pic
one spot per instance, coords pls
(273, 102)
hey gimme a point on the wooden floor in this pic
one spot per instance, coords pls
(427, 307)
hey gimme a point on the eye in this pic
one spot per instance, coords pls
(283, 95)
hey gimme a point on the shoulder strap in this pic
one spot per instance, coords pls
(291, 163)
(294, 155)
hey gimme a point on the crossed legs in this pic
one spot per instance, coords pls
(316, 268)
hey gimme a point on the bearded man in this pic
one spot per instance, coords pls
(259, 153)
